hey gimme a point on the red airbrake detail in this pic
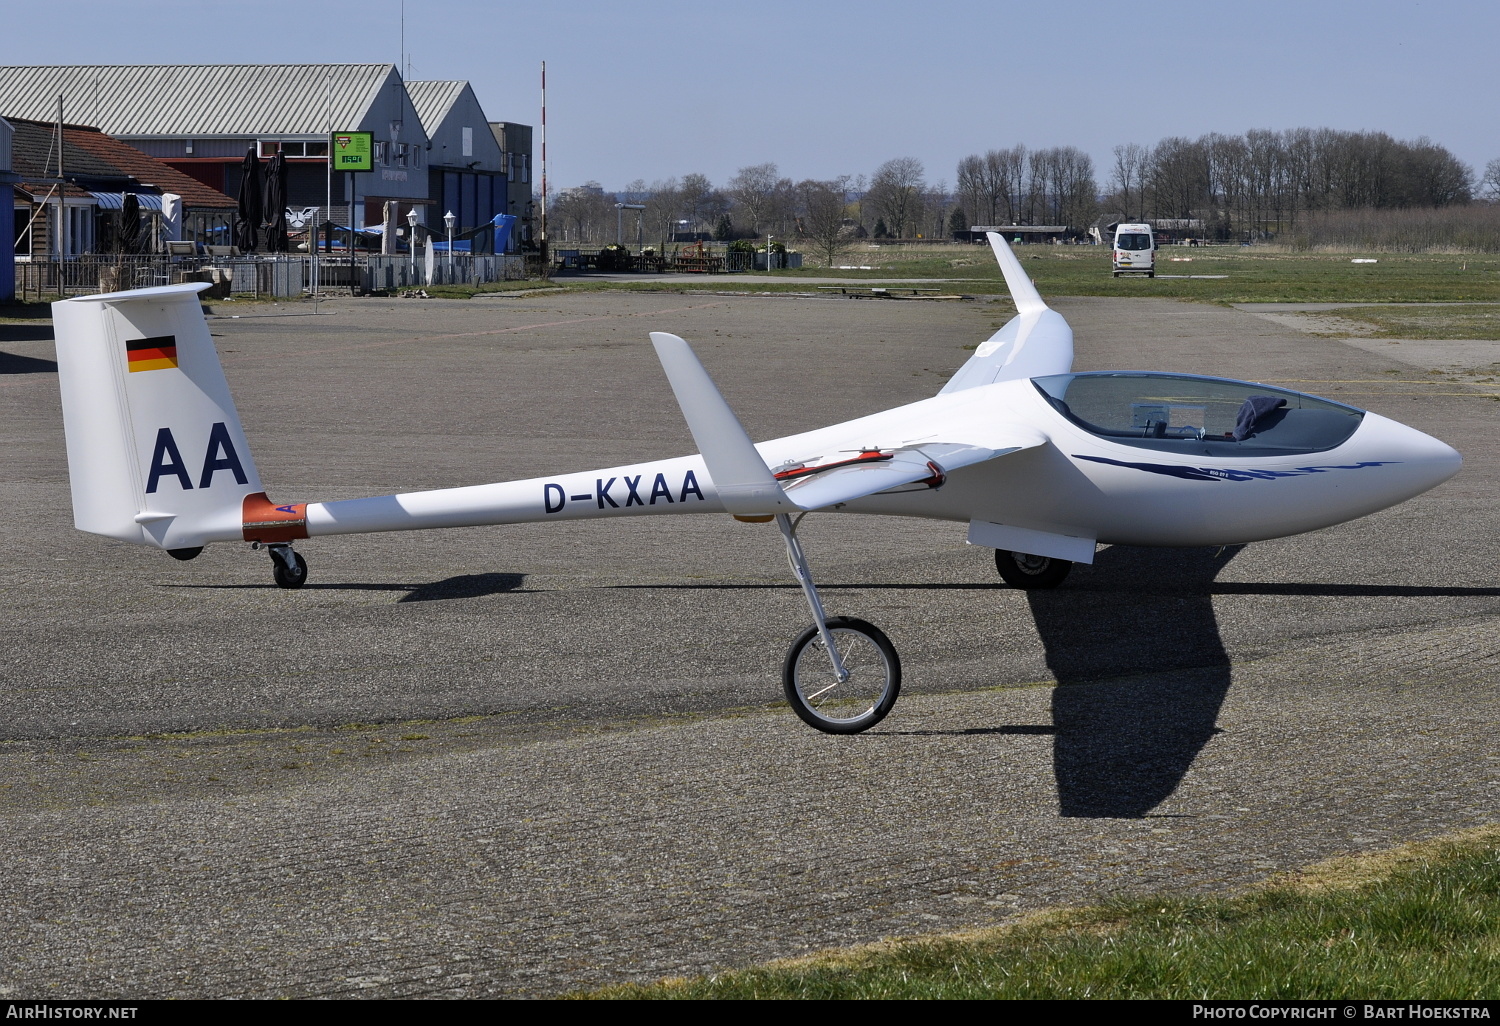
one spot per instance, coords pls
(868, 456)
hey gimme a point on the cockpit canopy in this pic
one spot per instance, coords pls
(1195, 415)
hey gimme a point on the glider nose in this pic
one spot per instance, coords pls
(1424, 462)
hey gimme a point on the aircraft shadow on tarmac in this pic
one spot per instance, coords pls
(11, 363)
(1132, 641)
(1141, 673)
(463, 586)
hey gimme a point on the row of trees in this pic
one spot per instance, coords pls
(1257, 183)
(895, 201)
(1020, 186)
(1266, 181)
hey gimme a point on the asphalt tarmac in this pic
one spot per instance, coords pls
(517, 760)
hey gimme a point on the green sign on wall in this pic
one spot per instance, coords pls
(353, 151)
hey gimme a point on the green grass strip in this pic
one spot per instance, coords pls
(1420, 922)
(1213, 274)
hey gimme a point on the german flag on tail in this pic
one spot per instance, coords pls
(146, 354)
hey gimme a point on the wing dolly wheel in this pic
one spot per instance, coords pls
(871, 681)
(1030, 573)
(841, 676)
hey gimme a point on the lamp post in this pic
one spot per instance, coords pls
(411, 241)
(449, 220)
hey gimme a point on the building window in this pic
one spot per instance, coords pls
(416, 156)
(525, 167)
(382, 153)
(468, 141)
(401, 154)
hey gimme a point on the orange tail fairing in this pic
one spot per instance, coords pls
(270, 524)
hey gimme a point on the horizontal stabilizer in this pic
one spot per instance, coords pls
(744, 483)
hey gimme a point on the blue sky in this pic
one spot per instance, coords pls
(652, 89)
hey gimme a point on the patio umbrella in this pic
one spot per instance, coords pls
(247, 221)
(275, 211)
(130, 224)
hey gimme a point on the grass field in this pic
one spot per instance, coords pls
(1420, 922)
(1247, 276)
(1476, 321)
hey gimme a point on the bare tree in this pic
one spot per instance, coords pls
(635, 192)
(936, 203)
(1127, 174)
(702, 204)
(754, 191)
(1009, 169)
(1179, 177)
(970, 187)
(823, 218)
(1074, 193)
(781, 211)
(663, 211)
(1489, 183)
(896, 190)
(585, 214)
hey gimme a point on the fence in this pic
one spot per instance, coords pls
(401, 272)
(680, 260)
(259, 276)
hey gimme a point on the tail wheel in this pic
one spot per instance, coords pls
(1028, 572)
(289, 571)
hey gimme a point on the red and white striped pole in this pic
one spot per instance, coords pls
(546, 258)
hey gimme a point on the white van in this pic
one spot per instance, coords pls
(1135, 250)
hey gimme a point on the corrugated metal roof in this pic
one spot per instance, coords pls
(433, 100)
(197, 99)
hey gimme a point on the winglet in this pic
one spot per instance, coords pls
(741, 478)
(1027, 298)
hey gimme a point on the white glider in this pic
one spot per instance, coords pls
(1040, 462)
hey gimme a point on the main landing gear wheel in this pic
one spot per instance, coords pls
(856, 704)
(288, 568)
(1028, 572)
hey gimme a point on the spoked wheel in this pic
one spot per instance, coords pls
(1028, 572)
(289, 573)
(856, 704)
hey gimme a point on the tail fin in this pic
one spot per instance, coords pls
(156, 455)
(1036, 342)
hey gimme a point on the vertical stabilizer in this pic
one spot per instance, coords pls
(1036, 342)
(156, 455)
